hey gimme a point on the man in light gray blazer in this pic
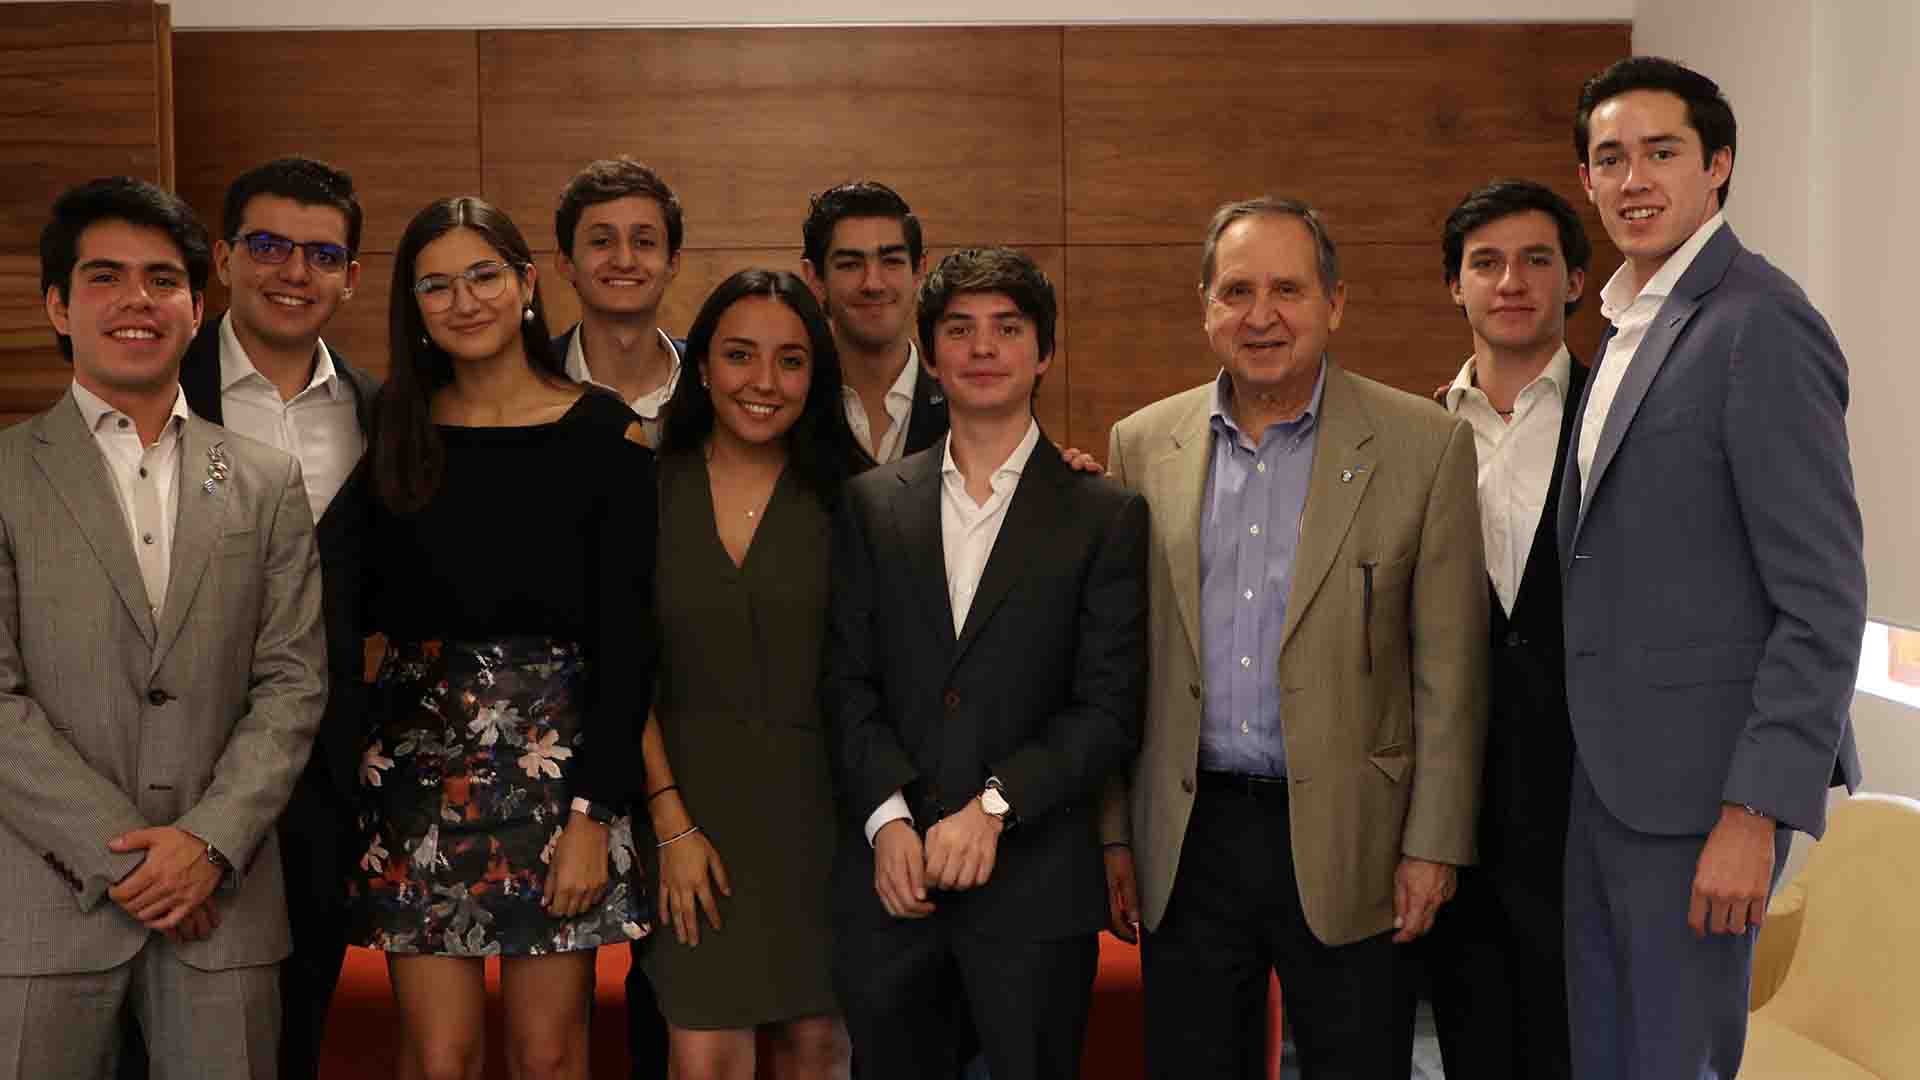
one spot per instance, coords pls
(161, 675)
(1715, 590)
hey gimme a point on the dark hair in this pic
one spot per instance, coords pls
(305, 181)
(117, 198)
(989, 270)
(1503, 199)
(820, 446)
(1272, 205)
(609, 179)
(856, 199)
(1708, 112)
(408, 455)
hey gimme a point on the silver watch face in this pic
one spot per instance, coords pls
(994, 803)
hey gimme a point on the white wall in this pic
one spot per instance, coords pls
(460, 14)
(1829, 157)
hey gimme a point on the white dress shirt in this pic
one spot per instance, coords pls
(1516, 464)
(968, 531)
(899, 405)
(320, 426)
(143, 481)
(1630, 315)
(647, 406)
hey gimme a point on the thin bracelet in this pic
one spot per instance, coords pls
(677, 836)
(656, 794)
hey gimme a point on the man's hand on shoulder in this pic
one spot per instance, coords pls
(1419, 888)
(1081, 461)
(961, 847)
(899, 871)
(1734, 875)
(175, 878)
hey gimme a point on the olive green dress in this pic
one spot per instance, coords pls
(738, 707)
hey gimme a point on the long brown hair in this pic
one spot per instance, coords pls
(408, 455)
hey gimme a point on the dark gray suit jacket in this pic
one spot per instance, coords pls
(1714, 583)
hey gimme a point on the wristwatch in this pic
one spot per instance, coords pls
(220, 862)
(596, 811)
(993, 799)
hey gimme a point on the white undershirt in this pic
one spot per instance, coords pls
(968, 531)
(1630, 315)
(143, 482)
(899, 406)
(1516, 464)
(647, 406)
(320, 426)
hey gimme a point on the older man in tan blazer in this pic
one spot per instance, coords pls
(161, 658)
(1311, 762)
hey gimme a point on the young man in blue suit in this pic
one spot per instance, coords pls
(1714, 590)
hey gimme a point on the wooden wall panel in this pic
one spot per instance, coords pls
(397, 109)
(745, 124)
(1383, 128)
(82, 94)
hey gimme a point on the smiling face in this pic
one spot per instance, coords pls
(868, 283)
(1514, 283)
(1646, 174)
(620, 264)
(284, 306)
(472, 328)
(1268, 317)
(986, 354)
(758, 371)
(129, 310)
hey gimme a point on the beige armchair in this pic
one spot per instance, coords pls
(1837, 970)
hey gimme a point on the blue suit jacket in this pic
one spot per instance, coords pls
(1714, 584)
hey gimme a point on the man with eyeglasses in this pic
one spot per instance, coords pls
(291, 229)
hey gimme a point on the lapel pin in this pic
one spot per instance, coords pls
(216, 466)
(1347, 475)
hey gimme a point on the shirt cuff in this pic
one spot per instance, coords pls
(893, 809)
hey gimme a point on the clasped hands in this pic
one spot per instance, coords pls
(172, 889)
(958, 854)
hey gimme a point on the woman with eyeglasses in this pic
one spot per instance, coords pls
(509, 562)
(753, 453)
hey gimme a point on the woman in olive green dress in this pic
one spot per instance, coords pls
(753, 453)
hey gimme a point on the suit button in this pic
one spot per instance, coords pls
(952, 699)
(157, 696)
(1194, 689)
(1186, 784)
(1514, 639)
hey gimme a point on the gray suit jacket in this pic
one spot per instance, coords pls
(1714, 583)
(114, 723)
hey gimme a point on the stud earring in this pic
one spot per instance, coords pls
(527, 315)
(703, 383)
(424, 342)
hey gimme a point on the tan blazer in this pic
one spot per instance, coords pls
(1383, 763)
(114, 723)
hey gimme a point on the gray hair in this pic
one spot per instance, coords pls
(1274, 206)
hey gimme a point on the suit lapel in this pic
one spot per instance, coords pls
(66, 453)
(196, 528)
(1178, 479)
(1343, 465)
(1031, 516)
(1645, 364)
(200, 373)
(916, 523)
(927, 421)
(1548, 529)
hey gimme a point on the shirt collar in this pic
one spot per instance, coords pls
(1557, 373)
(95, 412)
(1014, 466)
(578, 371)
(903, 386)
(1616, 297)
(1222, 415)
(236, 366)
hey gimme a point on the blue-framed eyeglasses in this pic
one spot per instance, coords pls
(274, 249)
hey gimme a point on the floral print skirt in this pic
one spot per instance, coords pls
(464, 782)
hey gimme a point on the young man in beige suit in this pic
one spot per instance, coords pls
(161, 675)
(1309, 772)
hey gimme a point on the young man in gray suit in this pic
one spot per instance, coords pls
(1714, 590)
(161, 674)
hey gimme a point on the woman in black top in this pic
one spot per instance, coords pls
(510, 558)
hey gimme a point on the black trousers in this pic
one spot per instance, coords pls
(907, 988)
(647, 1040)
(1233, 918)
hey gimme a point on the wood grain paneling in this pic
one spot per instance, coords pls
(745, 124)
(1384, 128)
(397, 109)
(1138, 335)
